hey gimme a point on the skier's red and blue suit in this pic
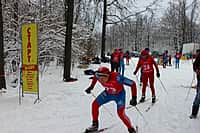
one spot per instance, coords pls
(114, 91)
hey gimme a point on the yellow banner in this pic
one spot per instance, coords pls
(30, 58)
(30, 81)
(29, 44)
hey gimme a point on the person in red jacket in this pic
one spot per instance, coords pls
(146, 62)
(115, 60)
(114, 91)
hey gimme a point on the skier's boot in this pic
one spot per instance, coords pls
(93, 127)
(131, 130)
(142, 99)
(195, 110)
(153, 99)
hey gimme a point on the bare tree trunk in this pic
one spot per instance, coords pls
(104, 30)
(16, 19)
(183, 24)
(68, 38)
(149, 29)
(2, 74)
(192, 19)
(136, 34)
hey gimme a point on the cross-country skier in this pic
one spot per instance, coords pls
(147, 50)
(165, 60)
(114, 91)
(177, 57)
(115, 60)
(146, 62)
(196, 102)
(127, 57)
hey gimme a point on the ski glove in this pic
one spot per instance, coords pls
(134, 72)
(158, 74)
(88, 90)
(133, 101)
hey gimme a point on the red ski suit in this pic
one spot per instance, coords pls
(114, 91)
(146, 65)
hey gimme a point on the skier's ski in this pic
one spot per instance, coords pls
(130, 106)
(100, 130)
(106, 128)
(150, 106)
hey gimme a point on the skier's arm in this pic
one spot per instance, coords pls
(138, 66)
(94, 80)
(154, 63)
(132, 84)
(156, 66)
(128, 82)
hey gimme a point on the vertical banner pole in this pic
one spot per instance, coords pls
(19, 82)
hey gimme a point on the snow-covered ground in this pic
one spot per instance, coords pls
(65, 108)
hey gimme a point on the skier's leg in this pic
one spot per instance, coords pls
(144, 82)
(120, 101)
(151, 82)
(115, 65)
(197, 97)
(178, 65)
(95, 114)
(112, 66)
(100, 100)
(195, 107)
(95, 110)
(123, 117)
(118, 67)
(103, 98)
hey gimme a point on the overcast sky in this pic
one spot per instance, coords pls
(141, 5)
(161, 6)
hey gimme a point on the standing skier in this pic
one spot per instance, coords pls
(147, 50)
(177, 57)
(115, 60)
(196, 102)
(165, 60)
(146, 63)
(127, 57)
(114, 91)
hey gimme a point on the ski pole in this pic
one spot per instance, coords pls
(163, 86)
(189, 89)
(103, 106)
(141, 114)
(137, 79)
